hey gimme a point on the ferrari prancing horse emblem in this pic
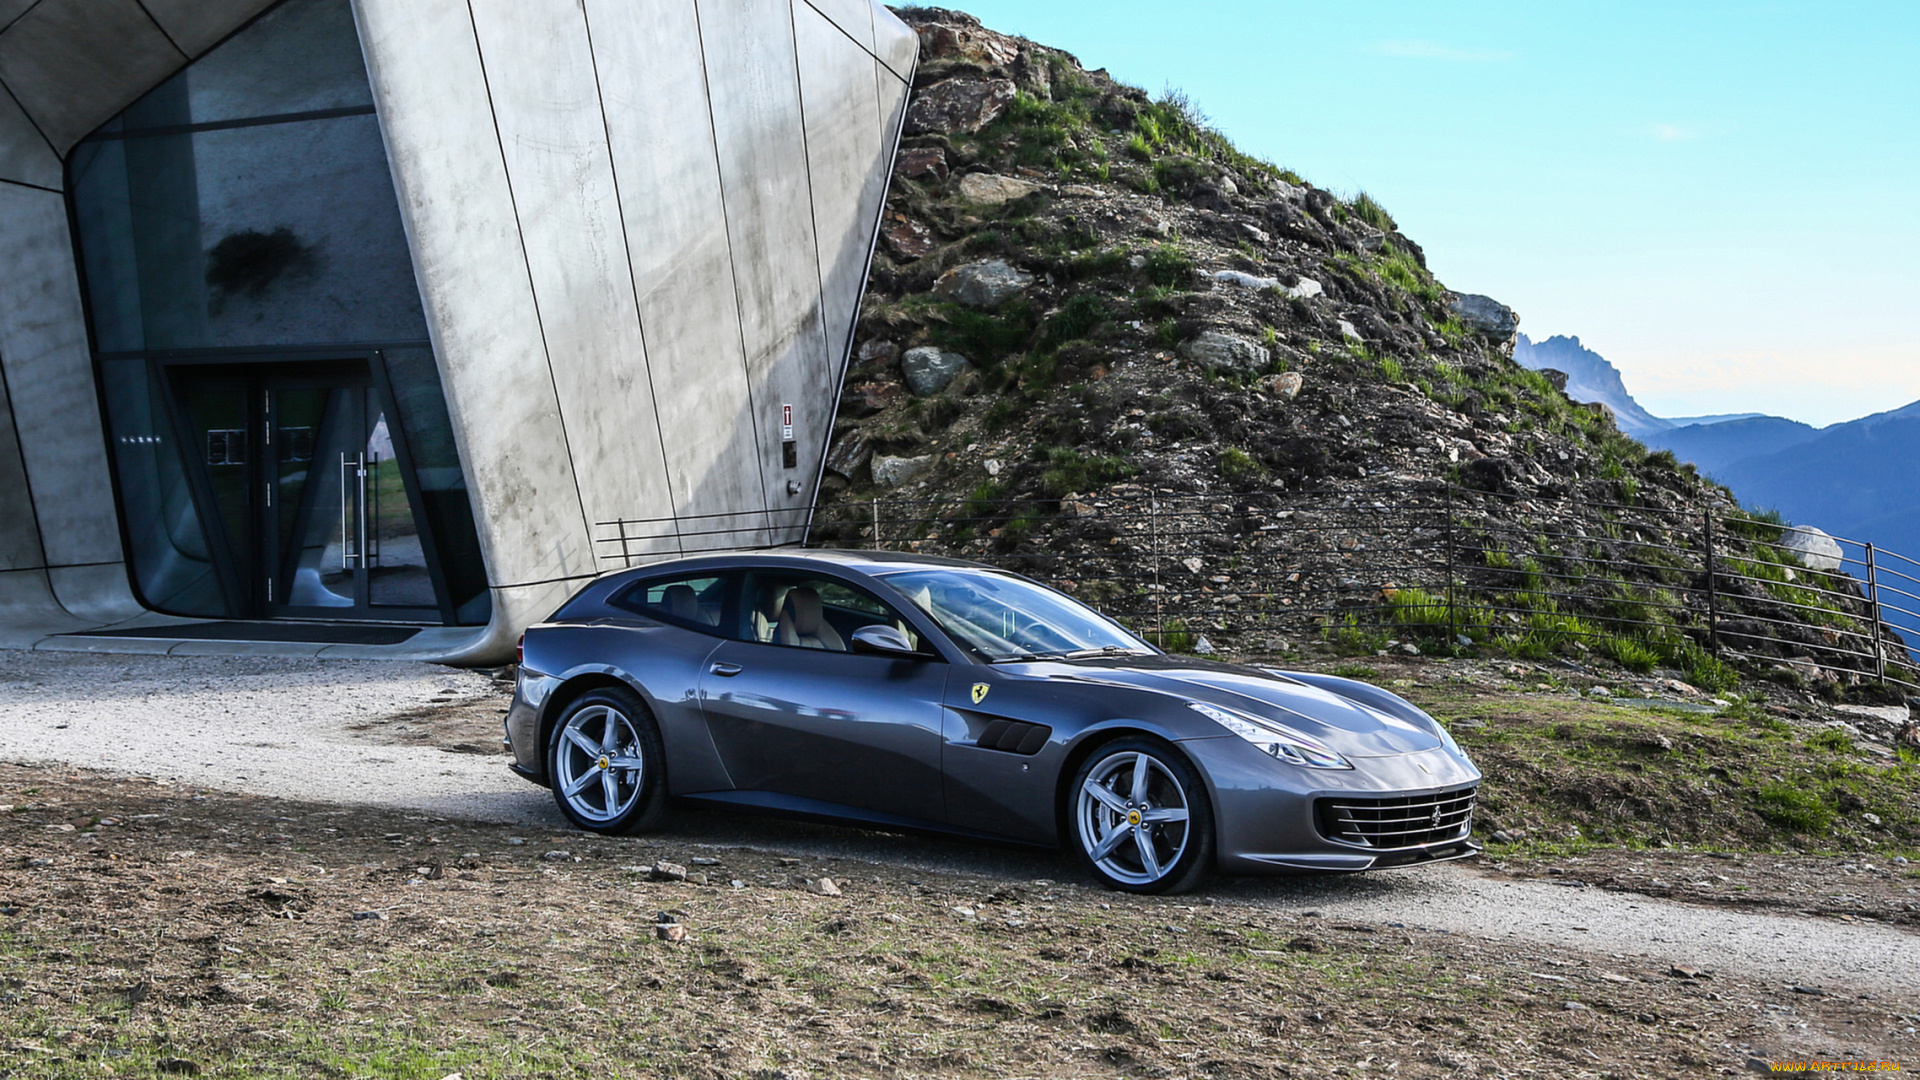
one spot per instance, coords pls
(980, 692)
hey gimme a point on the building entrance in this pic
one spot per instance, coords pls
(310, 489)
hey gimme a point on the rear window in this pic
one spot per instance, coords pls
(696, 602)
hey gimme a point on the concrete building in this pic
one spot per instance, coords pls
(323, 321)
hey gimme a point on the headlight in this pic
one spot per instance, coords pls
(1287, 745)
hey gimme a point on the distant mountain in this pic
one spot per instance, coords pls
(1722, 418)
(1712, 447)
(1590, 378)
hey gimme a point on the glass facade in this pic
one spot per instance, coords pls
(279, 433)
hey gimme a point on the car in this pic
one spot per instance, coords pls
(907, 692)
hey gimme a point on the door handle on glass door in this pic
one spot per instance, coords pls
(726, 670)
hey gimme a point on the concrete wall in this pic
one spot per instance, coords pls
(640, 229)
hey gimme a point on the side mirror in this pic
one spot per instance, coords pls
(884, 640)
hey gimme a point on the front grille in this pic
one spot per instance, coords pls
(1405, 821)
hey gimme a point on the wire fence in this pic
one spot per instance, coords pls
(1427, 567)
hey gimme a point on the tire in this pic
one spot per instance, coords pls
(606, 764)
(1169, 846)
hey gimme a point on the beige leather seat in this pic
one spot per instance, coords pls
(803, 624)
(766, 612)
(682, 602)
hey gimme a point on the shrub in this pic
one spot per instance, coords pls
(1366, 209)
(1169, 267)
(1237, 467)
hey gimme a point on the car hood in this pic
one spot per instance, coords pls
(1344, 725)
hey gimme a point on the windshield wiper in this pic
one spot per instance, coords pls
(1024, 657)
(1104, 650)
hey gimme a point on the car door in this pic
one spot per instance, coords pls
(799, 717)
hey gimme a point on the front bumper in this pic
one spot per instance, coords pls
(1264, 810)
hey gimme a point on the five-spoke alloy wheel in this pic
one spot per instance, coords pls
(604, 762)
(1141, 818)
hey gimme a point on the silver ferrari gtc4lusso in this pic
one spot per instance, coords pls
(908, 692)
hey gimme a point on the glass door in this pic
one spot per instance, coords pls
(303, 472)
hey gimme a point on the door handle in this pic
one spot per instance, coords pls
(726, 670)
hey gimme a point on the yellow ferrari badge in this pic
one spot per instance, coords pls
(980, 692)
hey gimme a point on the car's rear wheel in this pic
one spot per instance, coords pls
(1141, 820)
(606, 763)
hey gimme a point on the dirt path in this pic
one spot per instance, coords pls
(404, 736)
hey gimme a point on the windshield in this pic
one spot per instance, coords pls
(1006, 618)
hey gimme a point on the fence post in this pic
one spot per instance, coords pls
(1713, 591)
(1153, 530)
(1873, 612)
(876, 523)
(1453, 620)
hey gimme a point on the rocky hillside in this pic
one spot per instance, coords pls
(1084, 293)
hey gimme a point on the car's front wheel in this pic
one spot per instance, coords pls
(606, 763)
(1141, 819)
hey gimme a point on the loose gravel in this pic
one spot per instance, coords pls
(304, 729)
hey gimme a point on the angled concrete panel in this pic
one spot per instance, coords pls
(75, 63)
(43, 342)
(24, 155)
(894, 42)
(753, 76)
(19, 534)
(198, 25)
(654, 88)
(854, 18)
(459, 210)
(546, 101)
(846, 160)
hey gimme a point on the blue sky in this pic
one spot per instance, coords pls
(1721, 198)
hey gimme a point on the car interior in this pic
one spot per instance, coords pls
(815, 613)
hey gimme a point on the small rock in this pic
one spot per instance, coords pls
(895, 471)
(1286, 386)
(1409, 648)
(1573, 1006)
(1204, 647)
(1682, 971)
(848, 453)
(556, 855)
(985, 284)
(1256, 234)
(1759, 1065)
(964, 912)
(929, 370)
(177, 1067)
(1679, 687)
(1081, 191)
(1502, 836)
(991, 190)
(369, 916)
(993, 466)
(1871, 819)
(1245, 280)
(669, 931)
(1348, 330)
(1307, 945)
(822, 887)
(1810, 991)
(515, 841)
(1216, 350)
(666, 871)
(704, 862)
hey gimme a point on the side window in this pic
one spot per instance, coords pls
(698, 602)
(809, 612)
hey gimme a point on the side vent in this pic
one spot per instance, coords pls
(1014, 737)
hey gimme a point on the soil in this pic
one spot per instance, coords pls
(150, 926)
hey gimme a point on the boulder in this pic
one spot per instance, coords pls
(992, 190)
(848, 453)
(895, 471)
(1815, 549)
(918, 162)
(959, 106)
(907, 238)
(1218, 350)
(985, 284)
(971, 43)
(1487, 315)
(1557, 378)
(929, 370)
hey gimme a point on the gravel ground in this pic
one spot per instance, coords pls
(342, 732)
